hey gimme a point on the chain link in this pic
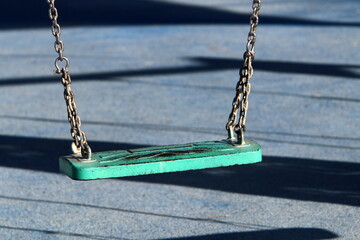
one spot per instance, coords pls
(243, 87)
(80, 143)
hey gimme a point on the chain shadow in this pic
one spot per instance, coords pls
(131, 12)
(280, 177)
(138, 212)
(59, 233)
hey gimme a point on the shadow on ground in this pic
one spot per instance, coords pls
(274, 234)
(136, 12)
(204, 64)
(292, 178)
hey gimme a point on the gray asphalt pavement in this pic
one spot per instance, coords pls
(149, 73)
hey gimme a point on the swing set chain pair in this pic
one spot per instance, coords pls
(80, 144)
(240, 103)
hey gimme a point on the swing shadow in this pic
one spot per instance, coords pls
(273, 234)
(254, 134)
(280, 177)
(140, 12)
(204, 64)
(211, 64)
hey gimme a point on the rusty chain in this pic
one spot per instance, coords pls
(237, 117)
(80, 143)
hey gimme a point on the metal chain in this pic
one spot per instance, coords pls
(240, 103)
(80, 143)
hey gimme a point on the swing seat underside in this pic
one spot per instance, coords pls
(161, 159)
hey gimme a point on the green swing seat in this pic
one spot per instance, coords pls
(161, 159)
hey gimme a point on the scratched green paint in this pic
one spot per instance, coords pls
(162, 159)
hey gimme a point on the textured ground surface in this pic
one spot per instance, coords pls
(162, 72)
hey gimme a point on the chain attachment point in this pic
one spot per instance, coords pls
(59, 69)
(86, 152)
(80, 144)
(237, 117)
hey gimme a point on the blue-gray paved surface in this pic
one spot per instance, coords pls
(163, 72)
